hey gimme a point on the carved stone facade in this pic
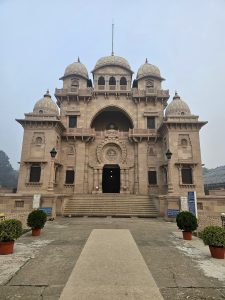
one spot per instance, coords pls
(111, 131)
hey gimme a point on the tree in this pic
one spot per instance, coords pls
(8, 176)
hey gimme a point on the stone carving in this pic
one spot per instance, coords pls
(111, 150)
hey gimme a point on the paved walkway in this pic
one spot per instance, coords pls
(41, 267)
(111, 267)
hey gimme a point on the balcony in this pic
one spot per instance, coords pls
(83, 133)
(140, 134)
(150, 92)
(73, 92)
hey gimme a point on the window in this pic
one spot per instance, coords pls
(38, 140)
(123, 81)
(152, 177)
(112, 81)
(151, 122)
(184, 142)
(40, 111)
(19, 203)
(186, 174)
(101, 81)
(75, 83)
(35, 173)
(72, 121)
(69, 177)
(150, 84)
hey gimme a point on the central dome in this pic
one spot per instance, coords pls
(112, 60)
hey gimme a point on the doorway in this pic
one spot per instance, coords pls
(111, 179)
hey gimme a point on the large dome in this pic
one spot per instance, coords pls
(76, 68)
(112, 60)
(147, 70)
(46, 105)
(177, 107)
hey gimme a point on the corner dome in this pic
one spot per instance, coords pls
(76, 68)
(148, 70)
(177, 107)
(112, 60)
(46, 105)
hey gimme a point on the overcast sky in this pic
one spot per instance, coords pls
(184, 38)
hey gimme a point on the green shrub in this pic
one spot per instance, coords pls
(10, 230)
(213, 236)
(186, 221)
(37, 219)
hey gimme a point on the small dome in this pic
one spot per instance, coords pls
(147, 70)
(76, 68)
(112, 60)
(177, 107)
(46, 105)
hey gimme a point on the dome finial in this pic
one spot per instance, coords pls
(78, 59)
(146, 60)
(176, 96)
(47, 94)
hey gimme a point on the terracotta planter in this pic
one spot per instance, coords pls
(36, 231)
(6, 247)
(217, 252)
(187, 235)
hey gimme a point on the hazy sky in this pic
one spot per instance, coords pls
(184, 38)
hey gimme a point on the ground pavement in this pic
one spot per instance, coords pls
(42, 267)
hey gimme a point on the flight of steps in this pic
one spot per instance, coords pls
(119, 205)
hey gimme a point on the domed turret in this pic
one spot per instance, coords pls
(46, 105)
(177, 107)
(112, 60)
(148, 70)
(76, 68)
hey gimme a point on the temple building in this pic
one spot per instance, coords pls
(112, 144)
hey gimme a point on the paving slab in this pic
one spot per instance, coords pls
(111, 267)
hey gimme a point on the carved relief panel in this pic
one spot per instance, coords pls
(184, 147)
(37, 148)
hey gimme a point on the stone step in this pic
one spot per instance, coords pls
(110, 205)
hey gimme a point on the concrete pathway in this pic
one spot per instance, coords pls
(110, 267)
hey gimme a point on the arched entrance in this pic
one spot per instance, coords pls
(112, 118)
(111, 179)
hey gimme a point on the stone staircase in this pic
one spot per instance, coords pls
(118, 205)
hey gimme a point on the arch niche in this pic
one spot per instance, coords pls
(112, 117)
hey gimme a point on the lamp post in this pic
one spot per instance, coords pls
(53, 154)
(170, 186)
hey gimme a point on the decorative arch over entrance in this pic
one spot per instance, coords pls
(112, 117)
(111, 179)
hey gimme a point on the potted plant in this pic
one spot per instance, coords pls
(36, 220)
(187, 222)
(214, 237)
(10, 230)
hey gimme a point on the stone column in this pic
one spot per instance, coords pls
(86, 169)
(136, 185)
(100, 180)
(127, 180)
(142, 168)
(122, 180)
(80, 166)
(95, 181)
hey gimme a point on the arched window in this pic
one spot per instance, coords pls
(184, 142)
(112, 81)
(123, 81)
(101, 81)
(38, 140)
(149, 83)
(74, 83)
